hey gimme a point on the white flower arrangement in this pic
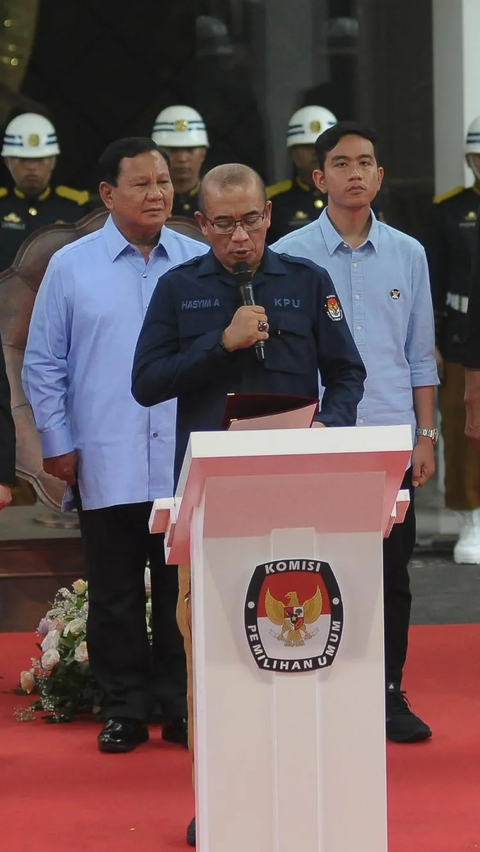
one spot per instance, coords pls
(61, 675)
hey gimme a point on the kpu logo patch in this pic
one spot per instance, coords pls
(333, 308)
(293, 615)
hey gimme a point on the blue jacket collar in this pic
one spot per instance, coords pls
(271, 264)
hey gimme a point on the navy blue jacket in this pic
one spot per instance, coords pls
(179, 354)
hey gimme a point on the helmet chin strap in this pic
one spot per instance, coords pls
(474, 168)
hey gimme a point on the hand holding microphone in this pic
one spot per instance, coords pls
(249, 326)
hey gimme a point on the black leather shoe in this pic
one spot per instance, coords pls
(176, 732)
(191, 835)
(121, 735)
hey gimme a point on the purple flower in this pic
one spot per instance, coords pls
(43, 627)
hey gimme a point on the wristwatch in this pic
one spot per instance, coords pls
(428, 433)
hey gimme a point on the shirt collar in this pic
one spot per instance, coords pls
(333, 239)
(117, 243)
(43, 195)
(271, 264)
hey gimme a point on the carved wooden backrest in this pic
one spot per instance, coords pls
(18, 289)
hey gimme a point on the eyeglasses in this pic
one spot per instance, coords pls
(248, 223)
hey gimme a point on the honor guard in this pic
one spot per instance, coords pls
(297, 202)
(180, 131)
(451, 255)
(30, 149)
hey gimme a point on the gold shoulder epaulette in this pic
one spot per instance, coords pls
(277, 188)
(78, 195)
(3, 191)
(444, 195)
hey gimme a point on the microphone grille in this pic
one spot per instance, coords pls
(242, 272)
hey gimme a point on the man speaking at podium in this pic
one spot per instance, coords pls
(199, 343)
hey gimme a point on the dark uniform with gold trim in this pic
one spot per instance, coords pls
(450, 254)
(21, 215)
(186, 203)
(471, 348)
(294, 204)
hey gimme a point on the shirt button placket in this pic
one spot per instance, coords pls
(358, 328)
(144, 288)
(358, 325)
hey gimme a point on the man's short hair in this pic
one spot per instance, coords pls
(227, 176)
(328, 140)
(110, 161)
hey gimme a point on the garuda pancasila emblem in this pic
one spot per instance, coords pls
(293, 617)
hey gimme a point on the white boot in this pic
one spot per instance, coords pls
(467, 548)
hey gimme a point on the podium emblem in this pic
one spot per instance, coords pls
(293, 619)
(293, 615)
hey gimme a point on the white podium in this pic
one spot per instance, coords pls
(284, 532)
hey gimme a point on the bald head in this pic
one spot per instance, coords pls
(234, 214)
(223, 179)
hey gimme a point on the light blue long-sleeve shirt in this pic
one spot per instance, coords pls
(384, 289)
(78, 363)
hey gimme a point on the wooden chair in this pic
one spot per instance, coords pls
(18, 289)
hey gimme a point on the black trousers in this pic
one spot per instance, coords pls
(133, 674)
(397, 551)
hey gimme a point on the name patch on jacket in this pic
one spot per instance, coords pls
(194, 304)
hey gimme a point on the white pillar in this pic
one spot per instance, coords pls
(456, 84)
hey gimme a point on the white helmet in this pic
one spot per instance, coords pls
(472, 143)
(179, 127)
(30, 135)
(306, 125)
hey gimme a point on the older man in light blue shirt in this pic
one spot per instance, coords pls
(381, 278)
(85, 324)
(117, 455)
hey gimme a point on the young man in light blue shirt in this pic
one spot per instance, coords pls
(85, 324)
(381, 277)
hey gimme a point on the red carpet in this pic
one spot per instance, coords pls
(59, 794)
(434, 787)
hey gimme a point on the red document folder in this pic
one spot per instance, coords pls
(268, 411)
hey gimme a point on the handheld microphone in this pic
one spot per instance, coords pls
(243, 276)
